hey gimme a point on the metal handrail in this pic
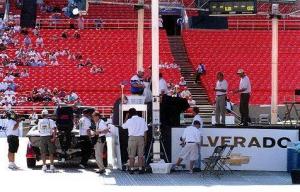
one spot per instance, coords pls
(255, 24)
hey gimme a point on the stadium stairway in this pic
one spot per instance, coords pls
(187, 71)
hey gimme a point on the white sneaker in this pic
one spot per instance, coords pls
(11, 166)
(16, 167)
(44, 168)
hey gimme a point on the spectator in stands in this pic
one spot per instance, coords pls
(200, 71)
(9, 78)
(160, 22)
(36, 31)
(24, 73)
(95, 69)
(76, 35)
(185, 93)
(13, 101)
(35, 95)
(64, 34)
(62, 94)
(245, 91)
(88, 62)
(182, 82)
(72, 96)
(78, 56)
(98, 23)
(27, 41)
(163, 87)
(137, 83)
(221, 92)
(39, 42)
(7, 107)
(80, 22)
(191, 101)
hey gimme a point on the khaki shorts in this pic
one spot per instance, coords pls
(136, 146)
(189, 150)
(46, 146)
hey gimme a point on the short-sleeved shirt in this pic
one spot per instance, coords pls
(136, 126)
(46, 127)
(245, 84)
(221, 85)
(191, 134)
(10, 128)
(135, 80)
(100, 126)
(84, 126)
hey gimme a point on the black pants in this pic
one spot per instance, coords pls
(86, 149)
(197, 77)
(244, 108)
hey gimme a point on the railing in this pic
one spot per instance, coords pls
(248, 24)
(104, 110)
(91, 23)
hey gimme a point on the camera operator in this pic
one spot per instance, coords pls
(137, 132)
(191, 139)
(85, 138)
(101, 131)
(12, 138)
(47, 129)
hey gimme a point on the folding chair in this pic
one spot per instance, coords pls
(223, 163)
(211, 163)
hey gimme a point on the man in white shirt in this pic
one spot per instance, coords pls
(85, 134)
(137, 132)
(221, 91)
(39, 42)
(197, 117)
(12, 132)
(47, 129)
(163, 87)
(101, 131)
(245, 91)
(191, 138)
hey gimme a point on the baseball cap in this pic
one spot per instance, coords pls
(45, 112)
(240, 71)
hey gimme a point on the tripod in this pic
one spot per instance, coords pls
(151, 147)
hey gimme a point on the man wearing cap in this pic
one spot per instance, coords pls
(47, 129)
(221, 91)
(137, 132)
(101, 131)
(137, 83)
(85, 134)
(191, 139)
(245, 91)
(197, 116)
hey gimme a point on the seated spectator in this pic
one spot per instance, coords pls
(9, 78)
(39, 42)
(35, 95)
(64, 34)
(191, 102)
(182, 82)
(3, 55)
(12, 66)
(88, 62)
(13, 101)
(24, 73)
(62, 94)
(55, 92)
(98, 23)
(95, 69)
(27, 41)
(7, 107)
(76, 35)
(36, 31)
(9, 92)
(185, 93)
(72, 96)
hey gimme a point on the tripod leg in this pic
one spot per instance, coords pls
(149, 151)
(162, 144)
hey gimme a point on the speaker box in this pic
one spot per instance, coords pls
(295, 174)
(28, 14)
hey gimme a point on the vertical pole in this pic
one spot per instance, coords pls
(274, 99)
(155, 80)
(140, 37)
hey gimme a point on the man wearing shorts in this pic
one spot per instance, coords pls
(47, 129)
(191, 138)
(137, 132)
(13, 141)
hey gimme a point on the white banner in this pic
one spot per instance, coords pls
(3, 123)
(260, 149)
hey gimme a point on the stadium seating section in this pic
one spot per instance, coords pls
(114, 50)
(251, 50)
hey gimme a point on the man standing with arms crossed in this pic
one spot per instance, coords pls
(245, 91)
(137, 132)
(221, 91)
(85, 134)
(47, 129)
